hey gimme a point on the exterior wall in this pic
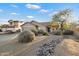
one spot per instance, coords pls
(4, 29)
(12, 29)
(16, 24)
(55, 26)
(28, 27)
(31, 26)
(43, 28)
(40, 26)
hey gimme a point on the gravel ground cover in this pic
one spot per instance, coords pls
(47, 49)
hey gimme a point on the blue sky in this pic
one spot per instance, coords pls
(33, 11)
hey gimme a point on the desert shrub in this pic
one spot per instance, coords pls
(26, 36)
(35, 32)
(45, 33)
(0, 30)
(58, 32)
(68, 32)
(42, 32)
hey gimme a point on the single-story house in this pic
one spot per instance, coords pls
(33, 25)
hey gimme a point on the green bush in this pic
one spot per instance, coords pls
(57, 32)
(35, 32)
(68, 32)
(42, 32)
(26, 36)
(45, 33)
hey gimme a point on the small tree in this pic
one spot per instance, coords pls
(61, 17)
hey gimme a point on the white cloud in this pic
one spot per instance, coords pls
(14, 13)
(43, 10)
(30, 17)
(53, 13)
(14, 5)
(31, 6)
(1, 10)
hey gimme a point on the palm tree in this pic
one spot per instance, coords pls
(10, 21)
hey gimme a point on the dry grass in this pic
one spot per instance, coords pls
(68, 47)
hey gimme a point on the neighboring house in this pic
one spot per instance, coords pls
(13, 26)
(55, 26)
(33, 25)
(8, 27)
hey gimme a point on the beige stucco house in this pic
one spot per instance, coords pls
(32, 25)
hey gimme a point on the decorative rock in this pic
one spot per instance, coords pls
(47, 49)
